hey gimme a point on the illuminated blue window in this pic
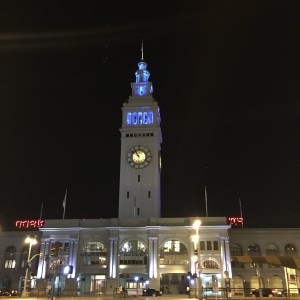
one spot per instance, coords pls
(134, 118)
(128, 119)
(140, 118)
(145, 118)
(150, 117)
(141, 90)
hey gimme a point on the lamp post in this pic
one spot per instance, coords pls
(30, 241)
(196, 226)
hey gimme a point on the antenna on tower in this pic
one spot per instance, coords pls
(142, 49)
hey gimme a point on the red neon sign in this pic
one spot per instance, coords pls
(235, 221)
(30, 223)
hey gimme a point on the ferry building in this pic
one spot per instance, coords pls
(140, 248)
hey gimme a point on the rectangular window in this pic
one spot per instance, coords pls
(66, 247)
(9, 264)
(150, 118)
(134, 118)
(216, 245)
(127, 195)
(208, 245)
(140, 118)
(149, 194)
(145, 118)
(141, 90)
(128, 118)
(202, 245)
(139, 178)
(138, 211)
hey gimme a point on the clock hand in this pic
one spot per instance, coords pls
(136, 152)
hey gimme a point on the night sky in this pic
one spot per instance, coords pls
(225, 75)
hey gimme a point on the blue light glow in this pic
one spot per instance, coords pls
(140, 118)
(134, 118)
(128, 118)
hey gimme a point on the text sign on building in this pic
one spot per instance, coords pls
(235, 221)
(30, 223)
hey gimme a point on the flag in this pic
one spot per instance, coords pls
(65, 200)
(65, 203)
(205, 194)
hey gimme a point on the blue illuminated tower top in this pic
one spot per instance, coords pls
(142, 87)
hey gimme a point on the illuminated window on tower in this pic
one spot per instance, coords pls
(140, 118)
(134, 118)
(128, 119)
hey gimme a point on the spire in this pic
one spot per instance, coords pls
(141, 86)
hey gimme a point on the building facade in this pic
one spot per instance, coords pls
(140, 248)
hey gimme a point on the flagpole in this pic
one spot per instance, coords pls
(241, 213)
(41, 211)
(205, 194)
(64, 203)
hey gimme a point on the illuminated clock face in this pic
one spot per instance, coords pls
(139, 157)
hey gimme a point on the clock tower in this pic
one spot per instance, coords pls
(140, 163)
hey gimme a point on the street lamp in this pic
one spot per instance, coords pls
(195, 238)
(30, 241)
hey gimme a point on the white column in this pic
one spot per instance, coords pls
(150, 257)
(111, 252)
(41, 272)
(155, 256)
(113, 257)
(152, 252)
(225, 256)
(73, 255)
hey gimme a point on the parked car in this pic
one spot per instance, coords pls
(14, 292)
(8, 292)
(151, 292)
(266, 292)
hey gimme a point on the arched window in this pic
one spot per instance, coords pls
(254, 250)
(10, 257)
(133, 253)
(272, 250)
(236, 250)
(174, 252)
(24, 257)
(210, 264)
(93, 253)
(290, 250)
